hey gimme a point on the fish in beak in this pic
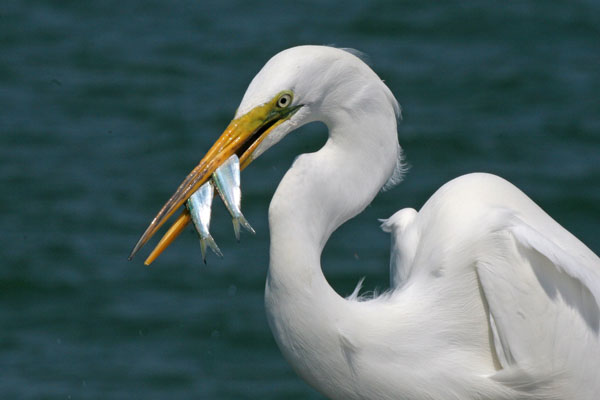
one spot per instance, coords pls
(227, 181)
(241, 138)
(199, 207)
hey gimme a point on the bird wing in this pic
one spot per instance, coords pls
(542, 288)
(404, 241)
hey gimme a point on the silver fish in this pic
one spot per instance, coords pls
(227, 181)
(199, 205)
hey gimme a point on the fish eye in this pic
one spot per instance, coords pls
(284, 101)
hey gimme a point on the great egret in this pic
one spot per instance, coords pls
(490, 298)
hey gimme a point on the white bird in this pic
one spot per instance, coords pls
(490, 298)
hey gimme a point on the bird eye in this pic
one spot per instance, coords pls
(284, 101)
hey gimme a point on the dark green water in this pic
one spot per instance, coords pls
(106, 105)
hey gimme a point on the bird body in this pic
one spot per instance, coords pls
(490, 298)
(431, 336)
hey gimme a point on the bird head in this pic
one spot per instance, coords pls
(295, 87)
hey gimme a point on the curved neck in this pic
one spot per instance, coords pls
(323, 190)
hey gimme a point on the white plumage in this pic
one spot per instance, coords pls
(490, 298)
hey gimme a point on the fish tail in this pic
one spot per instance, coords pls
(209, 242)
(236, 227)
(213, 246)
(241, 220)
(246, 225)
(203, 249)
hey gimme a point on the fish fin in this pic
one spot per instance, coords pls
(209, 242)
(236, 228)
(203, 249)
(246, 225)
(213, 246)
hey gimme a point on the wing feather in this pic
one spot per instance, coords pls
(404, 241)
(543, 293)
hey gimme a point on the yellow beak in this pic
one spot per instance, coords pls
(241, 137)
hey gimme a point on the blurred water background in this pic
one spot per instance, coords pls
(106, 105)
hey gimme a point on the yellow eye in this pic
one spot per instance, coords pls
(284, 101)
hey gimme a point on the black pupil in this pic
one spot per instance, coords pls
(283, 101)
